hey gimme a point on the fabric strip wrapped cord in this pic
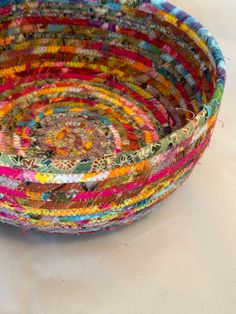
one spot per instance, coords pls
(105, 108)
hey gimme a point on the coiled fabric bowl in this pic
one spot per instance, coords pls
(105, 108)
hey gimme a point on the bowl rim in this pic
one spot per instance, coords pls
(156, 148)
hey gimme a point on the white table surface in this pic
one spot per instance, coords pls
(180, 259)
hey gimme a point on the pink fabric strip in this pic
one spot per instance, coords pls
(15, 193)
(134, 185)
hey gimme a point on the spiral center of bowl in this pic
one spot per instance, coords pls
(69, 133)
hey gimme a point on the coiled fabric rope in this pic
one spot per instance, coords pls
(105, 109)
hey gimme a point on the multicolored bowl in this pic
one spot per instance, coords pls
(105, 108)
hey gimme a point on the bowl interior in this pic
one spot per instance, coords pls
(85, 81)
